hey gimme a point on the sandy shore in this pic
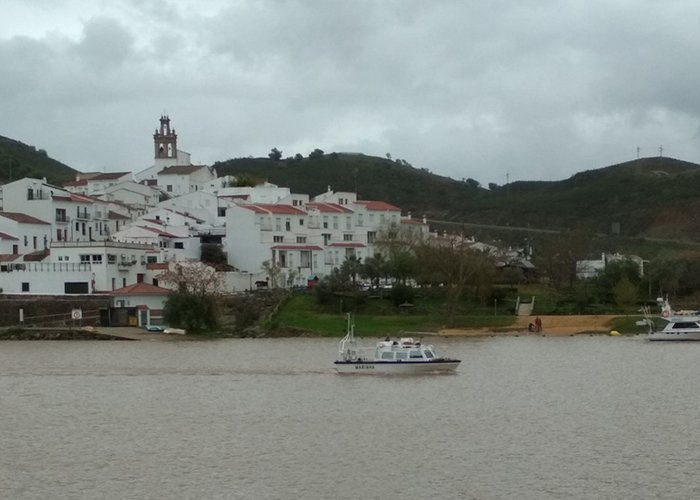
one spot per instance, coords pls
(551, 326)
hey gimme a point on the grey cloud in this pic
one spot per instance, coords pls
(105, 44)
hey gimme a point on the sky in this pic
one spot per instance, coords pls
(497, 91)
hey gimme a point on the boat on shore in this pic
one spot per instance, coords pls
(402, 355)
(680, 325)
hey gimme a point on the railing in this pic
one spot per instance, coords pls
(84, 216)
(62, 218)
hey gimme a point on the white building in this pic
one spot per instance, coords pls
(23, 233)
(96, 183)
(182, 179)
(307, 240)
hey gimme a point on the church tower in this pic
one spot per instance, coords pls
(165, 142)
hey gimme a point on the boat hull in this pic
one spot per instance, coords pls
(673, 336)
(396, 367)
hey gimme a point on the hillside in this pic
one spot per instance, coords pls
(19, 160)
(649, 197)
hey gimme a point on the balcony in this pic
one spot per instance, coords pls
(62, 218)
(84, 216)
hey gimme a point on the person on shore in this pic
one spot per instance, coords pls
(538, 324)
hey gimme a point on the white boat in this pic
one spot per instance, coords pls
(399, 356)
(680, 325)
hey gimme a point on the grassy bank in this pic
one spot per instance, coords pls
(375, 319)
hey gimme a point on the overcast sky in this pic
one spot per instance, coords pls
(529, 89)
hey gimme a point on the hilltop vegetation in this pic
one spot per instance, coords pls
(19, 160)
(649, 198)
(646, 198)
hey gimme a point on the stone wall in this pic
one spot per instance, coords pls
(51, 310)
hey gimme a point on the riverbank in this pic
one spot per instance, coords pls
(551, 326)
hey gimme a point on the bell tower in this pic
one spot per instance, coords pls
(165, 141)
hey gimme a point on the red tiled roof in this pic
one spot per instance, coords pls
(37, 256)
(378, 205)
(8, 257)
(329, 207)
(109, 176)
(155, 221)
(159, 232)
(5, 236)
(235, 196)
(412, 221)
(181, 169)
(348, 245)
(76, 198)
(271, 208)
(116, 216)
(297, 247)
(140, 289)
(157, 265)
(22, 218)
(81, 182)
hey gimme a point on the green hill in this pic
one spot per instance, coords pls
(649, 197)
(19, 160)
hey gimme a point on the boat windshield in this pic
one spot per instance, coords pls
(429, 354)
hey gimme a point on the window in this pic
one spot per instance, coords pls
(388, 355)
(34, 241)
(97, 259)
(221, 211)
(77, 227)
(415, 353)
(326, 239)
(84, 258)
(278, 239)
(278, 224)
(111, 259)
(360, 220)
(151, 259)
(335, 222)
(26, 241)
(348, 222)
(325, 222)
(371, 237)
(25, 287)
(288, 225)
(402, 355)
(347, 237)
(301, 239)
(301, 222)
(179, 244)
(169, 189)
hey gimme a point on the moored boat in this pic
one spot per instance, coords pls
(680, 325)
(399, 356)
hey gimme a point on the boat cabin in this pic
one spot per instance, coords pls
(404, 349)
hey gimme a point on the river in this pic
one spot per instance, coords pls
(524, 417)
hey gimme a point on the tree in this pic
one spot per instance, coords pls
(374, 268)
(557, 257)
(193, 305)
(273, 271)
(214, 255)
(455, 266)
(275, 154)
(244, 180)
(625, 292)
(316, 153)
(298, 156)
(351, 267)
